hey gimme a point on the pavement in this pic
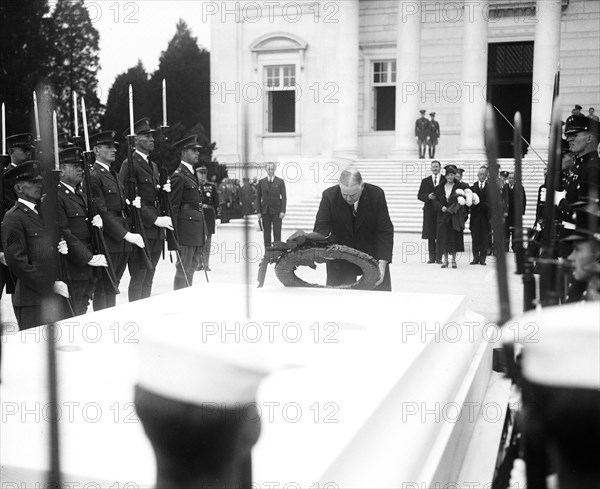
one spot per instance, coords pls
(231, 260)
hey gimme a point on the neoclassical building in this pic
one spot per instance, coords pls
(346, 79)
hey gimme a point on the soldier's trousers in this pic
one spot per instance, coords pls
(186, 266)
(206, 251)
(53, 309)
(140, 285)
(104, 296)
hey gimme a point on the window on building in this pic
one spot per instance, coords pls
(384, 95)
(281, 98)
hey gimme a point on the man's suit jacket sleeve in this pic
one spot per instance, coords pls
(323, 220)
(283, 196)
(385, 231)
(259, 197)
(110, 226)
(422, 195)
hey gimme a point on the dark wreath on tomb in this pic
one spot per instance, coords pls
(309, 249)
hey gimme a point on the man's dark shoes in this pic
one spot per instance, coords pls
(430, 261)
(474, 262)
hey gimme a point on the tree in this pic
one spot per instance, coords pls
(25, 51)
(74, 62)
(186, 68)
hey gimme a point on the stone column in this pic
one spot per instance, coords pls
(408, 57)
(546, 54)
(474, 72)
(347, 75)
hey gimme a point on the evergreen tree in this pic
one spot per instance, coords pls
(24, 59)
(74, 63)
(186, 69)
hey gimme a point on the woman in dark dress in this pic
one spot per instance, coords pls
(449, 202)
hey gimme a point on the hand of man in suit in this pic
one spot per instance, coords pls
(281, 215)
(431, 196)
(382, 265)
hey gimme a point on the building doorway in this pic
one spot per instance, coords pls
(510, 75)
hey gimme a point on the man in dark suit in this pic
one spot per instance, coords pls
(422, 133)
(480, 218)
(271, 201)
(509, 223)
(426, 195)
(355, 213)
(109, 196)
(186, 202)
(30, 254)
(77, 229)
(147, 178)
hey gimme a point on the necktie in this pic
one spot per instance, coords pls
(435, 181)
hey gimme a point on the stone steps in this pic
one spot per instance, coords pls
(400, 182)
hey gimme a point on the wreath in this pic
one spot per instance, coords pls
(309, 249)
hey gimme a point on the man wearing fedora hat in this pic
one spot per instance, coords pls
(148, 186)
(30, 254)
(110, 199)
(434, 134)
(186, 201)
(422, 133)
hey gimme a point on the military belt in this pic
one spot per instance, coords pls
(190, 207)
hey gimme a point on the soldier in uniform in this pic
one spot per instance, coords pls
(422, 133)
(186, 202)
(434, 134)
(109, 196)
(147, 177)
(210, 208)
(30, 254)
(77, 229)
(19, 147)
(582, 134)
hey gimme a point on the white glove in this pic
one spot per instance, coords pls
(167, 186)
(164, 222)
(2, 258)
(62, 247)
(135, 239)
(98, 261)
(558, 196)
(97, 221)
(137, 202)
(543, 194)
(61, 289)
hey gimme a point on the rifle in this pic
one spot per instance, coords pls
(166, 209)
(132, 191)
(549, 276)
(491, 145)
(98, 242)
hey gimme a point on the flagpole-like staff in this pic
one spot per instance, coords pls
(132, 190)
(4, 157)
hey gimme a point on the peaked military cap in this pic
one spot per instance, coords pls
(504, 173)
(28, 170)
(577, 123)
(432, 114)
(451, 169)
(105, 137)
(140, 127)
(63, 140)
(72, 155)
(190, 142)
(24, 140)
(201, 167)
(578, 107)
(422, 111)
